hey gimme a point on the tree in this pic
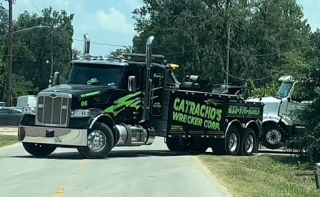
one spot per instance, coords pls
(119, 52)
(75, 53)
(309, 139)
(193, 33)
(33, 48)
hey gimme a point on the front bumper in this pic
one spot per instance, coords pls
(54, 136)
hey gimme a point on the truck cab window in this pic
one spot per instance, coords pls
(95, 74)
(284, 90)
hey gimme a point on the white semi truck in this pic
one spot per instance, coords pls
(279, 120)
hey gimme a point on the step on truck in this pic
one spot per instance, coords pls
(128, 101)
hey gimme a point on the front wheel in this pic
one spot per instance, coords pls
(100, 142)
(38, 150)
(272, 136)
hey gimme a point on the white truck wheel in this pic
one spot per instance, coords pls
(272, 136)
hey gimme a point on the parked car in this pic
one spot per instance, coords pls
(10, 116)
(2, 104)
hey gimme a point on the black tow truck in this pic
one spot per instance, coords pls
(131, 100)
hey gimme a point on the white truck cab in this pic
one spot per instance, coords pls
(279, 121)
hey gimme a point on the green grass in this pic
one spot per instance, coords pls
(265, 176)
(7, 140)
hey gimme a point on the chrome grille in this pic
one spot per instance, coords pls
(53, 109)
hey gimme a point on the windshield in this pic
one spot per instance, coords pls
(95, 74)
(284, 90)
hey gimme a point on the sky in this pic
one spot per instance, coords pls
(110, 21)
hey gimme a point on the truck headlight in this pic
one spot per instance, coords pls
(80, 113)
(29, 110)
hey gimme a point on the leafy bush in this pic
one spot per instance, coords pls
(269, 90)
(308, 140)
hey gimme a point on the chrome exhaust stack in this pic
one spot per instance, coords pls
(86, 50)
(146, 99)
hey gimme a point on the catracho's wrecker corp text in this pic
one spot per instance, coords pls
(192, 113)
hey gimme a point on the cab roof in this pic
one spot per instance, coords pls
(113, 62)
(123, 60)
(101, 61)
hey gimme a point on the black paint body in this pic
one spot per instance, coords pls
(164, 89)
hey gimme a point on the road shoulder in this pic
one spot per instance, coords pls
(263, 175)
(213, 179)
(7, 141)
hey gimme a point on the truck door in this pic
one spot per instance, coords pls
(298, 101)
(157, 92)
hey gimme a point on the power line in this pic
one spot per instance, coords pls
(242, 79)
(34, 6)
(248, 54)
(98, 43)
(105, 44)
(205, 47)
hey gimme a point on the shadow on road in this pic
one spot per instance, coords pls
(115, 154)
(130, 154)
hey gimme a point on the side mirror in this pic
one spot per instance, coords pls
(56, 79)
(132, 87)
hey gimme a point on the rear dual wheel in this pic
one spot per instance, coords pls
(230, 145)
(249, 143)
(235, 144)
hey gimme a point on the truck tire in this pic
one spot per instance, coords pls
(272, 136)
(248, 142)
(100, 142)
(38, 150)
(230, 145)
(175, 144)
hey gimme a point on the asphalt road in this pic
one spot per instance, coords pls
(148, 171)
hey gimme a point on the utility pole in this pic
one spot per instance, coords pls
(228, 42)
(9, 74)
(51, 70)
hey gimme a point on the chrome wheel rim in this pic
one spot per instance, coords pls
(249, 144)
(233, 142)
(97, 141)
(273, 136)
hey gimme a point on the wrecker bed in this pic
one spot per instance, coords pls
(203, 114)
